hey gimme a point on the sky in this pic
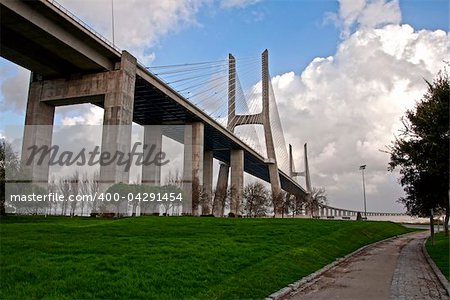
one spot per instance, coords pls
(343, 72)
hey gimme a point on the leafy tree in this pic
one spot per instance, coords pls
(256, 200)
(421, 152)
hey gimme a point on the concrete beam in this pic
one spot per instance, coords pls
(48, 25)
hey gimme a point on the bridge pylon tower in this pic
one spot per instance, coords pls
(237, 156)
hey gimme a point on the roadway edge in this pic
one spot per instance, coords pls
(297, 285)
(444, 282)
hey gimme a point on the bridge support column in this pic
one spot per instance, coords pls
(151, 174)
(193, 167)
(38, 131)
(220, 195)
(237, 180)
(207, 182)
(118, 118)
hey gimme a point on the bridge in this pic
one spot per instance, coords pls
(72, 64)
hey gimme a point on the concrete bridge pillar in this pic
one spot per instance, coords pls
(114, 89)
(207, 182)
(193, 167)
(118, 118)
(237, 180)
(220, 195)
(151, 174)
(38, 131)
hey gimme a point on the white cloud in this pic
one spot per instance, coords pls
(355, 14)
(14, 88)
(91, 115)
(347, 107)
(237, 3)
(139, 24)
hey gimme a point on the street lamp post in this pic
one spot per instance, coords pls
(362, 168)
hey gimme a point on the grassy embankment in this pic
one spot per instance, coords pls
(167, 258)
(440, 252)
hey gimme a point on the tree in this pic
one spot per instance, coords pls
(116, 198)
(256, 200)
(75, 191)
(278, 203)
(294, 204)
(421, 152)
(9, 163)
(64, 189)
(317, 198)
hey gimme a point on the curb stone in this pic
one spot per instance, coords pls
(443, 281)
(311, 277)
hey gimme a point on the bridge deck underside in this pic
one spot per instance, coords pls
(153, 107)
(24, 42)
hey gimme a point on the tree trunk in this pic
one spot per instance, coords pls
(446, 221)
(432, 227)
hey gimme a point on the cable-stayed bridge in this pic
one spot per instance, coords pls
(229, 104)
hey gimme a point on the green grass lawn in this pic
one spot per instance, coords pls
(167, 258)
(440, 252)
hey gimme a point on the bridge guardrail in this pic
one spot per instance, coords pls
(83, 24)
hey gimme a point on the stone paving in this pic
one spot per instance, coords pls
(413, 276)
(395, 269)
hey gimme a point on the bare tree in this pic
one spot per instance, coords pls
(64, 189)
(277, 203)
(74, 191)
(294, 204)
(317, 198)
(256, 200)
(52, 188)
(84, 189)
(286, 203)
(93, 189)
(173, 182)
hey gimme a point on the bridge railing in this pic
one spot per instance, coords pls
(83, 24)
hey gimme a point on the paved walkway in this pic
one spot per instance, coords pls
(396, 269)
